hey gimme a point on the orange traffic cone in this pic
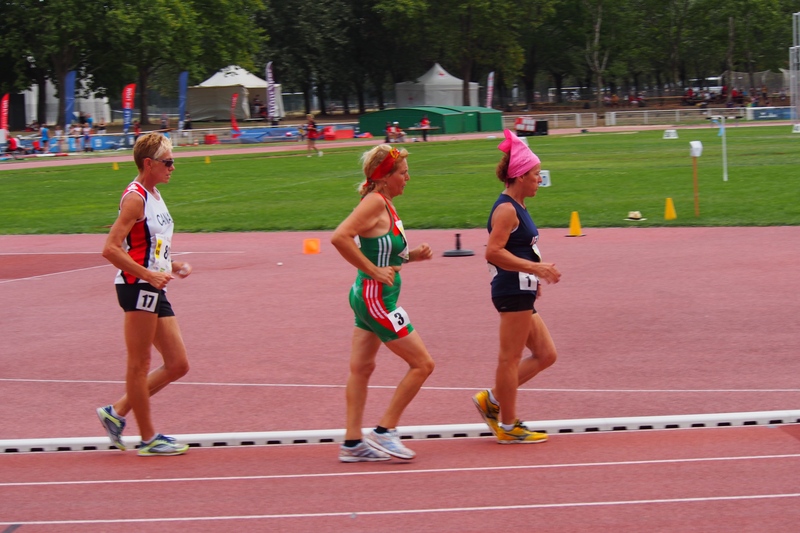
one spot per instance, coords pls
(575, 225)
(669, 211)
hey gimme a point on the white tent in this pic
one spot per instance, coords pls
(211, 100)
(435, 87)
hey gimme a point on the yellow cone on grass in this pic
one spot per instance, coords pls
(115, 166)
(669, 210)
(575, 225)
(208, 160)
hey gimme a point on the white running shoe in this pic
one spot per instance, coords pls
(361, 452)
(389, 442)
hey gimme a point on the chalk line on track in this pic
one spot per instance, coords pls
(354, 514)
(74, 270)
(392, 387)
(371, 473)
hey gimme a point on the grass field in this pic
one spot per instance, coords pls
(602, 176)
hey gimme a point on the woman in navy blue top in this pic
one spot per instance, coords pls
(517, 269)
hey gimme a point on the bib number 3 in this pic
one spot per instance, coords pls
(399, 319)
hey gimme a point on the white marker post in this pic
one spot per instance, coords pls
(696, 150)
(721, 119)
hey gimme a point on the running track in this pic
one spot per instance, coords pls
(649, 322)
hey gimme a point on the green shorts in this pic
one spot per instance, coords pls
(376, 310)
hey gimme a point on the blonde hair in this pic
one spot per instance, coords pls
(371, 160)
(150, 146)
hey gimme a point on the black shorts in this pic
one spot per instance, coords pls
(515, 302)
(143, 297)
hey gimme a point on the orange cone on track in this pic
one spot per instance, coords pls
(310, 246)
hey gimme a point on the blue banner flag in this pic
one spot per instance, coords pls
(68, 93)
(183, 80)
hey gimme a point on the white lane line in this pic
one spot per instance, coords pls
(341, 386)
(401, 472)
(354, 514)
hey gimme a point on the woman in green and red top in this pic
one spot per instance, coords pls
(373, 240)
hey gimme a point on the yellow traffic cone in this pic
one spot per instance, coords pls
(115, 166)
(310, 246)
(575, 225)
(669, 211)
(208, 160)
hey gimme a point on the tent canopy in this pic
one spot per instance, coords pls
(436, 87)
(211, 100)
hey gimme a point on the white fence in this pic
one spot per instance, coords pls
(664, 117)
(557, 120)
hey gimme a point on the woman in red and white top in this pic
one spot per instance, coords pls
(139, 244)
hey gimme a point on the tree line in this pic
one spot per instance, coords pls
(354, 50)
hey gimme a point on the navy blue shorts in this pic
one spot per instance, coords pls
(514, 303)
(143, 297)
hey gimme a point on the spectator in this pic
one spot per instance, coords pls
(164, 121)
(44, 133)
(399, 135)
(312, 133)
(187, 122)
(425, 123)
(87, 138)
(101, 126)
(58, 137)
(137, 130)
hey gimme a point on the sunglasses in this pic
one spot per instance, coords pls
(167, 162)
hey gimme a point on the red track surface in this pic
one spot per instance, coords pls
(648, 321)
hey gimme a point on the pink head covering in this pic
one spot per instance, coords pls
(522, 158)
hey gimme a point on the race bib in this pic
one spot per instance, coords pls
(536, 252)
(399, 319)
(161, 255)
(528, 282)
(404, 253)
(147, 301)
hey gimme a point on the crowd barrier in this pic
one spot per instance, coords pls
(97, 142)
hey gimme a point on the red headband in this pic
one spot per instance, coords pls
(386, 165)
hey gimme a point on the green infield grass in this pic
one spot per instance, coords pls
(602, 176)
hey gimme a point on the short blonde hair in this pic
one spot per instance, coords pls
(371, 160)
(150, 146)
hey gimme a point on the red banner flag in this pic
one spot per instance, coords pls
(4, 113)
(234, 126)
(128, 94)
